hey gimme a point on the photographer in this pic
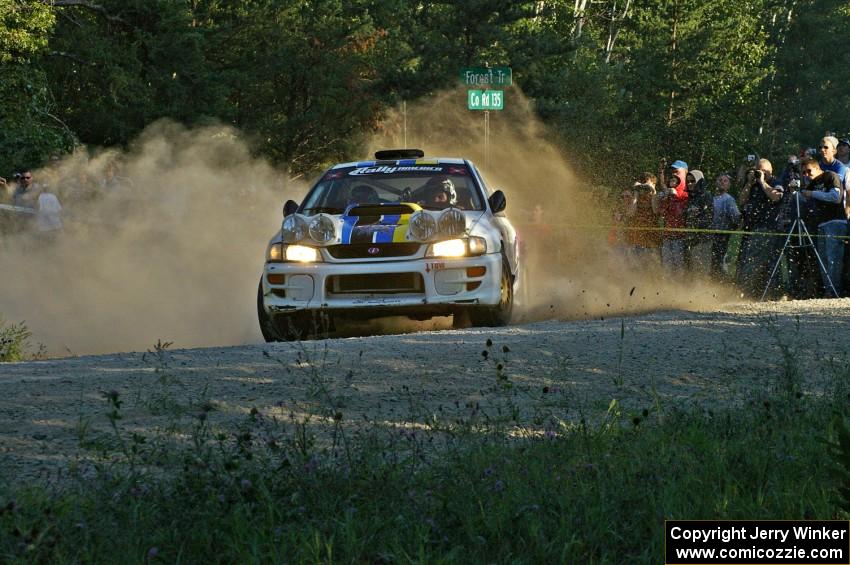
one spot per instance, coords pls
(642, 239)
(760, 204)
(670, 203)
(824, 190)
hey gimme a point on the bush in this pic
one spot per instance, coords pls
(14, 341)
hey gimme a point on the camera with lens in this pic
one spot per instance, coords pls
(642, 186)
(17, 176)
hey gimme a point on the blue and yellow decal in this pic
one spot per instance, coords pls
(385, 228)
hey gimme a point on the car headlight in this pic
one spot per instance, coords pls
(322, 229)
(452, 222)
(274, 254)
(294, 229)
(468, 247)
(422, 226)
(302, 254)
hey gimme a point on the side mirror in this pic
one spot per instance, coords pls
(497, 201)
(290, 208)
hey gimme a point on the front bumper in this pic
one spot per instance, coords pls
(421, 285)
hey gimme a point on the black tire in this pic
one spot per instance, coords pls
(296, 326)
(500, 314)
(267, 327)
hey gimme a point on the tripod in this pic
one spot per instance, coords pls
(800, 231)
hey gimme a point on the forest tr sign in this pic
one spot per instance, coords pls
(486, 76)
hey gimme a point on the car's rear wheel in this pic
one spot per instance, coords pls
(500, 314)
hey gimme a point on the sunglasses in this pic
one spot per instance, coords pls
(826, 146)
(26, 178)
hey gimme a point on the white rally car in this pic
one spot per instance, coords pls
(400, 235)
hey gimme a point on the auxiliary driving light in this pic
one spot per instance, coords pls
(452, 222)
(322, 229)
(294, 229)
(422, 226)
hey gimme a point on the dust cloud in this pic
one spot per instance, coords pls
(571, 271)
(171, 248)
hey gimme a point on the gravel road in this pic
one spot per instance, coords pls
(668, 357)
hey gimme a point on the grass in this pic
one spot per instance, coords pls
(268, 490)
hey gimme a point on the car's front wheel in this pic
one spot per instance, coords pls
(292, 327)
(267, 326)
(500, 314)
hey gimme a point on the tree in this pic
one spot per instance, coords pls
(31, 128)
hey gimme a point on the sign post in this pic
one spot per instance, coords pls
(484, 97)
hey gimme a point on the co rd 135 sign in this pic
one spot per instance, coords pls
(485, 99)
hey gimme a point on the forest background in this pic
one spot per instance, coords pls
(619, 83)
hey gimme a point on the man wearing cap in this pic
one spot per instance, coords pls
(670, 203)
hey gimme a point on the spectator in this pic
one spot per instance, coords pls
(112, 182)
(642, 240)
(536, 244)
(842, 152)
(828, 149)
(670, 204)
(760, 204)
(726, 217)
(26, 193)
(698, 216)
(825, 191)
(48, 217)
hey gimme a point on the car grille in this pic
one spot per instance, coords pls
(383, 283)
(378, 250)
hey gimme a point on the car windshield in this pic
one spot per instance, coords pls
(432, 186)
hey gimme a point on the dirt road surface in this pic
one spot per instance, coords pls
(673, 357)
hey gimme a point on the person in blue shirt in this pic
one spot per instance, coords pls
(824, 189)
(828, 149)
(726, 217)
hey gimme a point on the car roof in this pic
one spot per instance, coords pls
(421, 161)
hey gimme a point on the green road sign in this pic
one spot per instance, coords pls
(486, 76)
(485, 99)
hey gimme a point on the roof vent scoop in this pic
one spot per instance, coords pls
(394, 154)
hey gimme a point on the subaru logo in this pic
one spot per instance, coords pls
(374, 250)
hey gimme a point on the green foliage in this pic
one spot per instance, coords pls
(24, 26)
(619, 83)
(31, 129)
(14, 341)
